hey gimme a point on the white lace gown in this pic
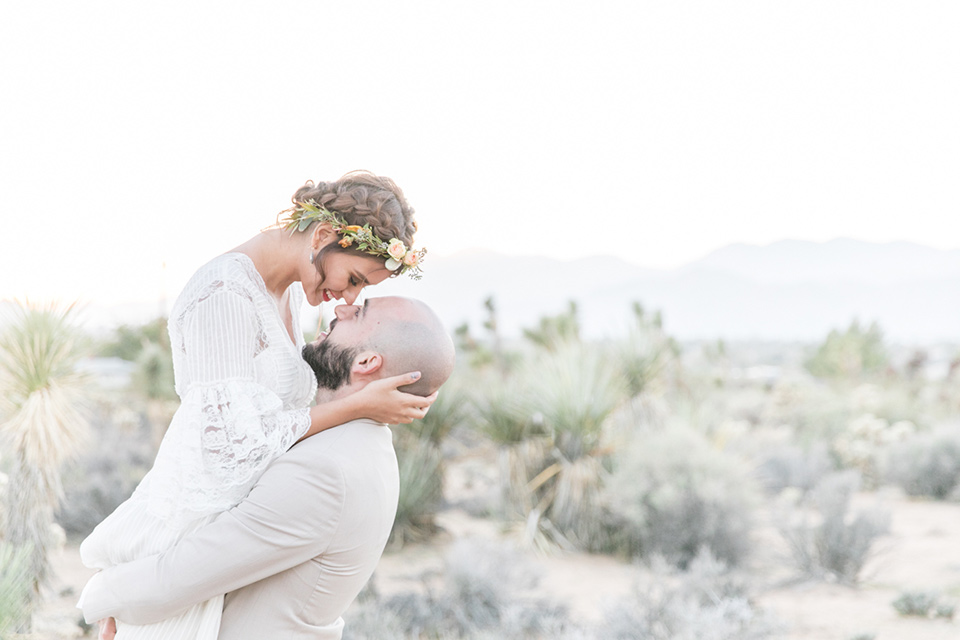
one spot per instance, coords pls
(245, 394)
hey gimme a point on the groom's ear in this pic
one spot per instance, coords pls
(366, 363)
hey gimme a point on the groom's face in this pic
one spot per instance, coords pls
(331, 355)
(330, 363)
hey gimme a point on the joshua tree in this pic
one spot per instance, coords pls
(852, 354)
(555, 331)
(41, 425)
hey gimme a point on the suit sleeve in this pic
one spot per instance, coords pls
(289, 517)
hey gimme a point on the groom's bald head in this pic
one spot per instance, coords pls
(410, 337)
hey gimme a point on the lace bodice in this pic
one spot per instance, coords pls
(243, 386)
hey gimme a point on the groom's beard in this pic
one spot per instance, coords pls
(330, 363)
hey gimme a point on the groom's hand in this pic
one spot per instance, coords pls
(108, 629)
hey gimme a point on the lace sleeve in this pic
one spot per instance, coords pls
(229, 427)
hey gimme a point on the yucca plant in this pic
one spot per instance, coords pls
(447, 411)
(503, 412)
(421, 488)
(42, 425)
(577, 392)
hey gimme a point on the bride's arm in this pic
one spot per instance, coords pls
(380, 400)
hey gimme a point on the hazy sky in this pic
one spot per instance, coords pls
(136, 134)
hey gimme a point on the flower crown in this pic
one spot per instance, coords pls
(398, 257)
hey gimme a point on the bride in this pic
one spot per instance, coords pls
(245, 391)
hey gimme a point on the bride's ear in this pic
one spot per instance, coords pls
(322, 234)
(366, 363)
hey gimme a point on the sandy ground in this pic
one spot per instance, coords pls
(921, 552)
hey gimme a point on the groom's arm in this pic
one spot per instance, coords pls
(288, 518)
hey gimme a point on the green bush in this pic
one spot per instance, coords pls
(15, 585)
(924, 604)
(479, 598)
(834, 544)
(704, 602)
(927, 465)
(671, 494)
(104, 476)
(792, 467)
(421, 488)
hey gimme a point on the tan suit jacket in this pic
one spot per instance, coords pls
(291, 557)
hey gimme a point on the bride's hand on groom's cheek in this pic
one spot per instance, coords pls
(108, 629)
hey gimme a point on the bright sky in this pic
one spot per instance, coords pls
(136, 134)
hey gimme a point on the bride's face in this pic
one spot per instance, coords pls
(345, 276)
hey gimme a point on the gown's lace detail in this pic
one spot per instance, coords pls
(244, 392)
(244, 396)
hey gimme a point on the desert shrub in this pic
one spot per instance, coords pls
(835, 543)
(480, 597)
(927, 465)
(862, 443)
(793, 467)
(445, 413)
(822, 415)
(671, 494)
(706, 602)
(421, 488)
(915, 603)
(924, 604)
(15, 584)
(153, 376)
(105, 476)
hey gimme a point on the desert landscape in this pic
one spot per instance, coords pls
(633, 485)
(922, 551)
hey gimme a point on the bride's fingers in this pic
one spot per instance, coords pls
(420, 405)
(402, 379)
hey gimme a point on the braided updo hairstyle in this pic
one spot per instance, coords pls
(361, 197)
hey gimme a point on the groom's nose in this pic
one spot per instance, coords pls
(345, 311)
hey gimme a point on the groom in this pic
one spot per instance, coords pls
(295, 553)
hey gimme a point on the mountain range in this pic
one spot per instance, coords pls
(788, 290)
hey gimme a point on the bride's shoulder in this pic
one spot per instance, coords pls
(233, 272)
(232, 267)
